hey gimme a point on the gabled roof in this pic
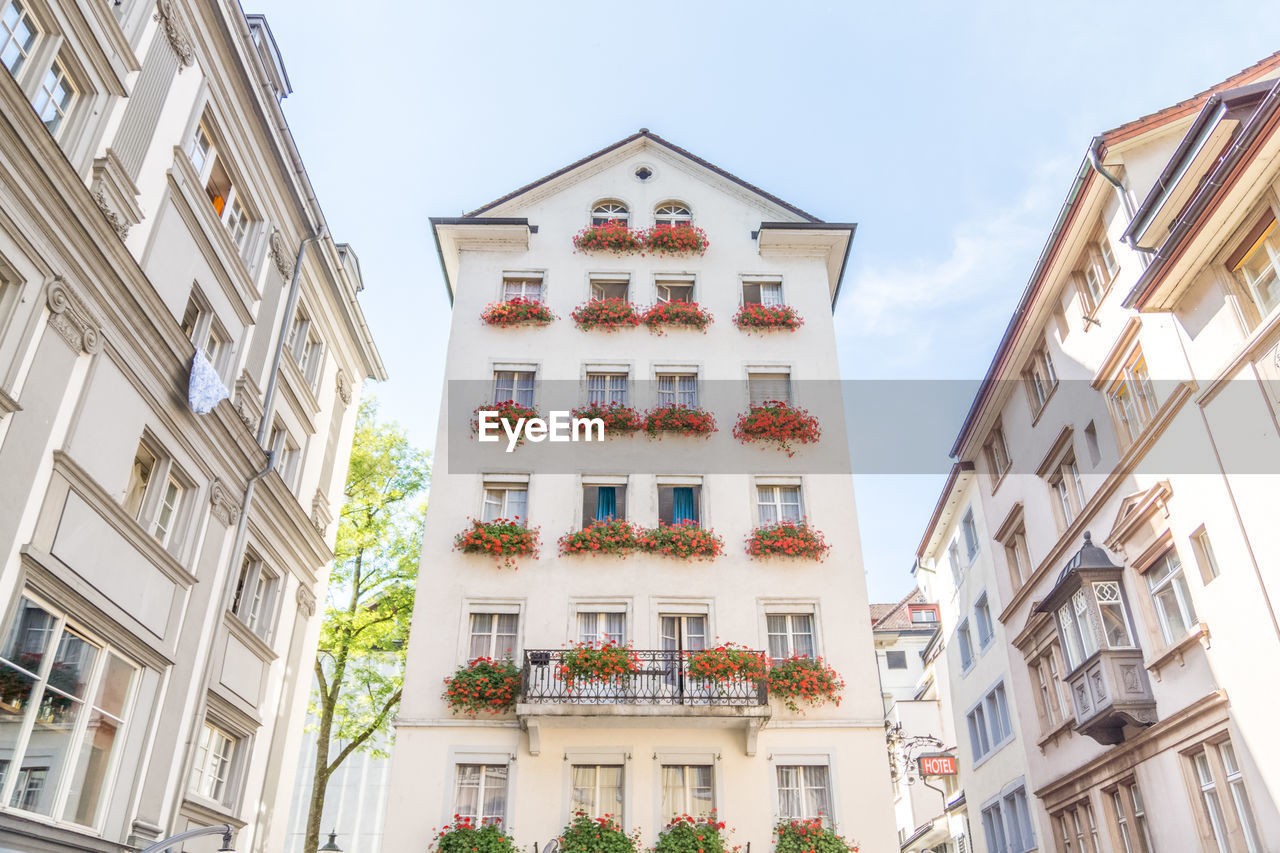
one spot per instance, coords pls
(897, 617)
(644, 133)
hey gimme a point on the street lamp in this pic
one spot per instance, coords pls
(224, 830)
(331, 846)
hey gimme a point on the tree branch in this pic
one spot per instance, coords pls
(367, 733)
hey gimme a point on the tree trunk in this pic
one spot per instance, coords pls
(320, 777)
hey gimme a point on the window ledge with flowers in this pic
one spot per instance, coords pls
(809, 835)
(787, 539)
(682, 239)
(469, 835)
(483, 685)
(679, 419)
(683, 541)
(609, 537)
(518, 311)
(804, 680)
(777, 423)
(505, 540)
(619, 419)
(681, 315)
(754, 317)
(609, 314)
(613, 236)
(509, 414)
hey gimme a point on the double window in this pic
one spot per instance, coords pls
(255, 599)
(982, 616)
(480, 792)
(54, 89)
(677, 389)
(217, 177)
(602, 627)
(687, 790)
(1041, 378)
(609, 210)
(804, 791)
(610, 287)
(205, 332)
(989, 723)
(596, 789)
(1051, 701)
(672, 213)
(1129, 816)
(493, 635)
(1132, 397)
(1225, 810)
(514, 386)
(674, 288)
(762, 291)
(1175, 612)
(215, 751)
(1095, 272)
(64, 700)
(778, 503)
(526, 286)
(155, 495)
(790, 635)
(1007, 823)
(505, 501)
(1078, 828)
(607, 388)
(1068, 490)
(1256, 263)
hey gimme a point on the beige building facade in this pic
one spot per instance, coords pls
(1124, 451)
(659, 748)
(160, 569)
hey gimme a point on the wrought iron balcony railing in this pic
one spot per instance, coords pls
(660, 678)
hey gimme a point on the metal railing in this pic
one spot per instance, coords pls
(660, 677)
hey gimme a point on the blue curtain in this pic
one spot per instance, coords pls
(682, 506)
(606, 503)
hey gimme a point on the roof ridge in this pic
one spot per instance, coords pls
(903, 602)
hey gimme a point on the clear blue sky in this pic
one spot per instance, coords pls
(948, 131)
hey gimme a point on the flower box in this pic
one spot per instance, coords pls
(684, 314)
(517, 312)
(509, 413)
(618, 418)
(585, 834)
(766, 318)
(588, 662)
(687, 834)
(686, 540)
(728, 662)
(612, 236)
(484, 684)
(679, 418)
(805, 680)
(779, 423)
(683, 239)
(608, 314)
(466, 835)
(614, 537)
(503, 539)
(809, 835)
(787, 539)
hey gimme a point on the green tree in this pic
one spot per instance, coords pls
(359, 664)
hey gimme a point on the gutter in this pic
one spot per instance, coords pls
(1095, 160)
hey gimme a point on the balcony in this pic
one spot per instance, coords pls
(659, 693)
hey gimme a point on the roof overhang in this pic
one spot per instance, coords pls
(957, 480)
(830, 240)
(478, 233)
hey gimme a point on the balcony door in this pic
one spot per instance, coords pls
(682, 635)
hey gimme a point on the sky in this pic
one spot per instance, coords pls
(950, 132)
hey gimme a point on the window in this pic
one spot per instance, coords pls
(285, 449)
(687, 789)
(17, 35)
(957, 568)
(1171, 597)
(768, 387)
(1068, 490)
(674, 290)
(1096, 270)
(965, 641)
(989, 723)
(679, 504)
(993, 826)
(672, 213)
(997, 453)
(254, 602)
(64, 698)
(804, 791)
(155, 494)
(1115, 622)
(505, 501)
(1130, 817)
(1239, 795)
(200, 149)
(762, 292)
(778, 503)
(493, 635)
(603, 501)
(305, 345)
(895, 660)
(1204, 555)
(480, 792)
(522, 286)
(1132, 397)
(144, 463)
(790, 635)
(167, 514)
(214, 171)
(1007, 823)
(1078, 629)
(53, 98)
(970, 531)
(678, 389)
(1017, 557)
(1078, 829)
(1210, 801)
(610, 288)
(596, 790)
(514, 386)
(1041, 378)
(205, 333)
(609, 210)
(927, 615)
(214, 752)
(602, 627)
(982, 615)
(1257, 267)
(607, 388)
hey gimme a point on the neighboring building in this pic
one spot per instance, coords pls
(955, 567)
(930, 812)
(159, 577)
(1126, 456)
(661, 743)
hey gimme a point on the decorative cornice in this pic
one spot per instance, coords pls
(167, 16)
(320, 515)
(306, 601)
(280, 255)
(225, 506)
(121, 229)
(69, 314)
(344, 387)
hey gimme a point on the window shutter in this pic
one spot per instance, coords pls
(665, 504)
(763, 387)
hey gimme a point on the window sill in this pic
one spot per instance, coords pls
(247, 636)
(211, 811)
(978, 762)
(1067, 725)
(1177, 651)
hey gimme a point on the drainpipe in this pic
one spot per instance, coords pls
(1096, 162)
(269, 399)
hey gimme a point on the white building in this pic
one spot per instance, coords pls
(159, 569)
(660, 748)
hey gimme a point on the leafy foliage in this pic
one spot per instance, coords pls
(597, 835)
(484, 684)
(802, 679)
(467, 836)
(686, 834)
(809, 836)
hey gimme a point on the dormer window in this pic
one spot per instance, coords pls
(672, 213)
(610, 210)
(1258, 265)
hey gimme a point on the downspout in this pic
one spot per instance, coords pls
(1096, 162)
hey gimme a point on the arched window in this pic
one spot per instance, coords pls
(672, 213)
(609, 211)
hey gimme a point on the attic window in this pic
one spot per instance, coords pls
(644, 173)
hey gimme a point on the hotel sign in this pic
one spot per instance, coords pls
(938, 765)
